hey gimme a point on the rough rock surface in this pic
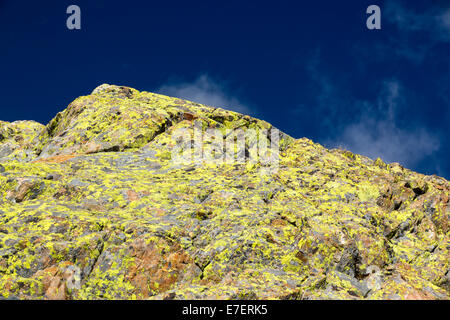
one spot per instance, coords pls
(91, 207)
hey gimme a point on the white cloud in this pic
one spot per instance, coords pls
(377, 133)
(444, 21)
(419, 32)
(371, 128)
(328, 96)
(435, 21)
(207, 91)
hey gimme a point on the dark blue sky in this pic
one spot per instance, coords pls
(311, 68)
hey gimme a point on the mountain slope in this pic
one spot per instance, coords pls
(93, 206)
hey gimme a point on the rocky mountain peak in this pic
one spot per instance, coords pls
(93, 205)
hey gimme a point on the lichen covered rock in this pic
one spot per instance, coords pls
(93, 207)
(17, 140)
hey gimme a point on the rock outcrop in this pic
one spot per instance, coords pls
(93, 207)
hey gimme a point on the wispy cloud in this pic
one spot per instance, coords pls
(377, 132)
(417, 32)
(375, 128)
(205, 90)
(435, 20)
(444, 20)
(328, 99)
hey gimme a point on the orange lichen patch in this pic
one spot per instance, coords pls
(189, 116)
(157, 212)
(93, 207)
(62, 192)
(279, 223)
(46, 260)
(132, 195)
(8, 284)
(92, 147)
(47, 274)
(155, 270)
(55, 279)
(53, 284)
(56, 159)
(56, 289)
(23, 188)
(417, 295)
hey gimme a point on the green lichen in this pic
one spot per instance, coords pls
(104, 197)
